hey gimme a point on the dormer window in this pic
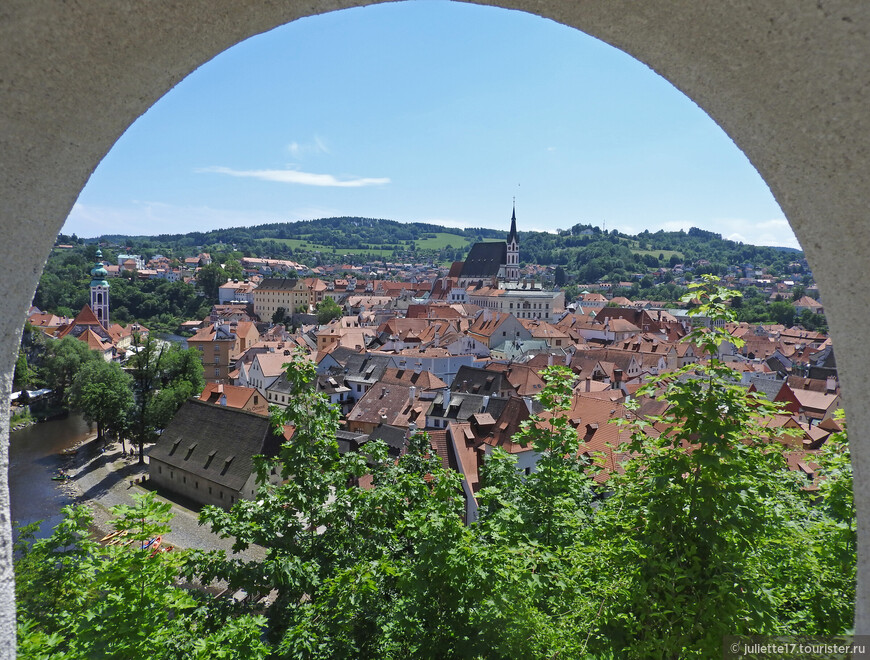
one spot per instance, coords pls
(211, 455)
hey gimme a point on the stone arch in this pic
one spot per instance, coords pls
(787, 81)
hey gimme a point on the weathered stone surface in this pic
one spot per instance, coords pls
(789, 82)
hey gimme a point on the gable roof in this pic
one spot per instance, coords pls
(86, 317)
(425, 380)
(216, 443)
(366, 367)
(477, 381)
(484, 260)
(278, 284)
(387, 405)
(236, 397)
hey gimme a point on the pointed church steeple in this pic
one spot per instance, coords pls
(513, 236)
(512, 269)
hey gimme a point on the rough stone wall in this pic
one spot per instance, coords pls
(788, 81)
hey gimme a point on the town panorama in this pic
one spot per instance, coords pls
(405, 439)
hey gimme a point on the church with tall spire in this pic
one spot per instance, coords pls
(512, 268)
(493, 262)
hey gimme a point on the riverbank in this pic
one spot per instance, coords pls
(102, 477)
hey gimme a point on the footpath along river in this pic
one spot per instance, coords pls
(100, 480)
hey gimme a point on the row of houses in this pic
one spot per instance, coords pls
(469, 375)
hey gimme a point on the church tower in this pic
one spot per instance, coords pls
(100, 291)
(512, 270)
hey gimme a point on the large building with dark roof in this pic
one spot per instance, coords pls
(493, 261)
(206, 453)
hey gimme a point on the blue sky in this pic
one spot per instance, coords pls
(427, 111)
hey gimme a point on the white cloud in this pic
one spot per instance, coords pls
(299, 178)
(316, 146)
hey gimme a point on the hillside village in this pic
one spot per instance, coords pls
(454, 351)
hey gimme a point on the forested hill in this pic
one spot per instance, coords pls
(326, 237)
(587, 252)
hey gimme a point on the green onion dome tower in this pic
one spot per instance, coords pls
(100, 291)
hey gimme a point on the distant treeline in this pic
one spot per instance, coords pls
(586, 252)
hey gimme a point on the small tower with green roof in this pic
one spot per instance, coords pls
(100, 291)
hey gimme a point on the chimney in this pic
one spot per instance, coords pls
(223, 400)
(528, 401)
(412, 394)
(418, 367)
(485, 404)
(831, 385)
(383, 392)
(550, 360)
(446, 398)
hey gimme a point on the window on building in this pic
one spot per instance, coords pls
(217, 372)
(159, 469)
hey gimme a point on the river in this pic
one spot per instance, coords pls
(33, 458)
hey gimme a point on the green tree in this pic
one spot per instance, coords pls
(279, 315)
(328, 310)
(710, 506)
(79, 599)
(145, 368)
(209, 279)
(164, 376)
(181, 376)
(782, 312)
(812, 321)
(23, 374)
(798, 292)
(63, 361)
(103, 392)
(233, 269)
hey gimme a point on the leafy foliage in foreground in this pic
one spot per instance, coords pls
(704, 534)
(79, 599)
